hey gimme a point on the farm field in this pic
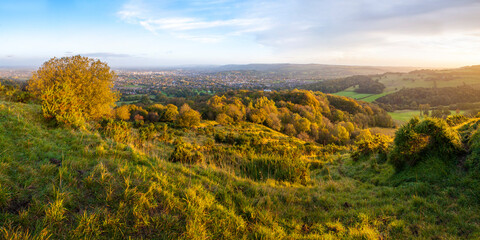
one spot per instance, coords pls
(360, 96)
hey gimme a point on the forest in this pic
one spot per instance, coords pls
(365, 85)
(411, 98)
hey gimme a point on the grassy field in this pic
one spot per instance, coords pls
(60, 183)
(404, 115)
(349, 92)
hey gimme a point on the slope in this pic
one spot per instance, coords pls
(69, 184)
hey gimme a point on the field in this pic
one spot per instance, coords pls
(404, 115)
(349, 92)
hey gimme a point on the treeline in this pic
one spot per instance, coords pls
(307, 115)
(412, 98)
(365, 85)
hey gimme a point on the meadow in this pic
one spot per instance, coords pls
(59, 183)
(349, 92)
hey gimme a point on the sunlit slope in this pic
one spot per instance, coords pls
(66, 184)
(431, 78)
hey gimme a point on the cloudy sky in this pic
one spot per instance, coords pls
(427, 33)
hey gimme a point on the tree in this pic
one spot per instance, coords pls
(74, 89)
(170, 113)
(188, 117)
(122, 112)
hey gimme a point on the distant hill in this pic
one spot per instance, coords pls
(427, 78)
(322, 70)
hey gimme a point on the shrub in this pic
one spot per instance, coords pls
(74, 89)
(417, 140)
(148, 132)
(118, 131)
(279, 168)
(368, 144)
(63, 109)
(453, 120)
(471, 132)
(169, 114)
(122, 112)
(188, 117)
(224, 119)
(22, 96)
(186, 153)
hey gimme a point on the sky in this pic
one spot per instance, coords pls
(150, 33)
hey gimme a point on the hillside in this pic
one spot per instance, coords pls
(320, 71)
(431, 78)
(61, 183)
(455, 89)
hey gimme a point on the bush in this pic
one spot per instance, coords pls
(186, 153)
(74, 89)
(148, 132)
(224, 119)
(188, 117)
(276, 167)
(471, 133)
(368, 144)
(417, 140)
(453, 120)
(119, 131)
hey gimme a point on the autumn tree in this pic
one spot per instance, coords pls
(74, 89)
(122, 112)
(188, 117)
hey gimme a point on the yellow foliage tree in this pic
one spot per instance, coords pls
(123, 112)
(74, 89)
(188, 117)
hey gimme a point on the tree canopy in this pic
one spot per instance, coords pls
(74, 89)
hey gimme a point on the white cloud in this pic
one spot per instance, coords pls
(191, 28)
(186, 24)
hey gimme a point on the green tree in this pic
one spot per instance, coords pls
(74, 89)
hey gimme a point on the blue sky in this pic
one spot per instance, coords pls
(429, 33)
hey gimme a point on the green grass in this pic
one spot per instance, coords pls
(404, 115)
(360, 96)
(108, 190)
(374, 97)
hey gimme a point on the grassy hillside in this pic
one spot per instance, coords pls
(457, 88)
(429, 78)
(61, 184)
